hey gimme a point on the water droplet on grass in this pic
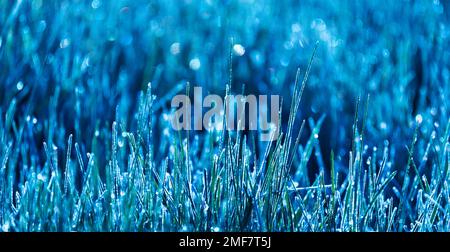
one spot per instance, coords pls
(195, 64)
(296, 27)
(318, 24)
(85, 63)
(5, 227)
(238, 49)
(419, 119)
(288, 45)
(175, 48)
(64, 43)
(19, 85)
(433, 111)
(96, 4)
(41, 177)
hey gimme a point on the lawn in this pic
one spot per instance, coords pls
(86, 141)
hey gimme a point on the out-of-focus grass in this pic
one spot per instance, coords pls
(85, 143)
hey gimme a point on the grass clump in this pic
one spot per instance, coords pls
(86, 143)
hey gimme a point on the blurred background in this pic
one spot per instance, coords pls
(72, 67)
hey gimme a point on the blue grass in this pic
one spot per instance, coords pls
(86, 143)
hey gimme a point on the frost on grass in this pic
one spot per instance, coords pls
(86, 142)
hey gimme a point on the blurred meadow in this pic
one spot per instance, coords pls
(86, 143)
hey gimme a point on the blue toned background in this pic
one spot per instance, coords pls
(85, 144)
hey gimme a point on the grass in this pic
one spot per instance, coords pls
(86, 144)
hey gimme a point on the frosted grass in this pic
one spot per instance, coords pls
(86, 142)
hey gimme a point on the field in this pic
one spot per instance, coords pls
(86, 142)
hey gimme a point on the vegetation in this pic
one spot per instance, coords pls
(86, 143)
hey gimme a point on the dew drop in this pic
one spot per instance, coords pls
(195, 64)
(318, 24)
(41, 177)
(64, 43)
(419, 119)
(296, 27)
(433, 111)
(5, 227)
(19, 85)
(288, 45)
(175, 48)
(96, 4)
(85, 64)
(239, 50)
